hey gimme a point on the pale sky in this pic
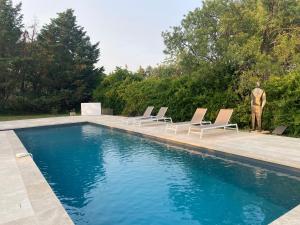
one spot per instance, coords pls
(129, 31)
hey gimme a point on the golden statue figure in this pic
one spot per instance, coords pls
(258, 101)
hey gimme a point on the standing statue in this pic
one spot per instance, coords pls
(258, 101)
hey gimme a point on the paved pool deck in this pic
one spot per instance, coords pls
(27, 199)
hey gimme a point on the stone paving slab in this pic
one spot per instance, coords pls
(290, 218)
(14, 202)
(28, 199)
(15, 124)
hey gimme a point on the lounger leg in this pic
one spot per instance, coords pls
(189, 131)
(237, 128)
(201, 134)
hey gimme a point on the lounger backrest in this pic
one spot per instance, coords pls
(148, 111)
(162, 112)
(224, 116)
(279, 130)
(198, 116)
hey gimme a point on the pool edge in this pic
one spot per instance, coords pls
(46, 206)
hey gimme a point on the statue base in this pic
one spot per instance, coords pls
(260, 131)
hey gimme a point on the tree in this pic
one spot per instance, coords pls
(67, 62)
(10, 34)
(256, 38)
(50, 71)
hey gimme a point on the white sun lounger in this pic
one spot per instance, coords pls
(222, 121)
(159, 117)
(146, 115)
(196, 120)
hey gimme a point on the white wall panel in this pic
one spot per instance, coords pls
(91, 109)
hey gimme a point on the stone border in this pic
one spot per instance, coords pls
(46, 207)
(292, 217)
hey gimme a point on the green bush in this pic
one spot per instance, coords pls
(283, 102)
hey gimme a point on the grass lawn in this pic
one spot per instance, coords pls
(7, 117)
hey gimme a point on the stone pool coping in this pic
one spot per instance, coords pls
(28, 198)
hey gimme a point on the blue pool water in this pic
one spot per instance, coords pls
(107, 177)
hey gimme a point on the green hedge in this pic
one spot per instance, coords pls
(130, 96)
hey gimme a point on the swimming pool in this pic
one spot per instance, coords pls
(104, 176)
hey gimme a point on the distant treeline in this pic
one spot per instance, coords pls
(51, 70)
(214, 59)
(216, 56)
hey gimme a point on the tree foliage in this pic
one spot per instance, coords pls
(67, 62)
(53, 70)
(112, 88)
(10, 34)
